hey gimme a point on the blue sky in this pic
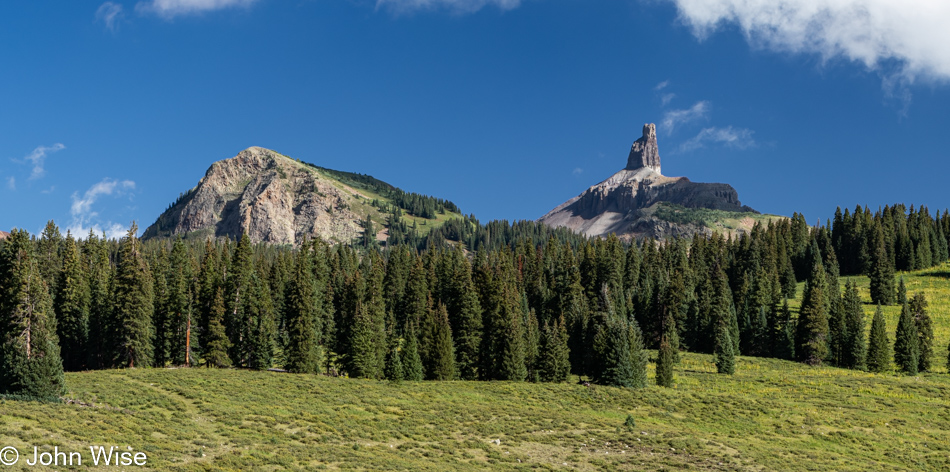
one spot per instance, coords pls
(109, 110)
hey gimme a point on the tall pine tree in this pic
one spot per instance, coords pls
(30, 362)
(132, 304)
(907, 343)
(879, 347)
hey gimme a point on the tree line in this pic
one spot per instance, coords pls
(508, 305)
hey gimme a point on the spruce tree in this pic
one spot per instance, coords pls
(237, 286)
(555, 365)
(621, 355)
(394, 370)
(906, 343)
(217, 343)
(855, 345)
(441, 365)
(30, 362)
(879, 348)
(882, 270)
(784, 333)
(72, 308)
(811, 336)
(724, 355)
(664, 364)
(304, 354)
(466, 316)
(411, 361)
(103, 332)
(259, 333)
(132, 304)
(182, 336)
(925, 330)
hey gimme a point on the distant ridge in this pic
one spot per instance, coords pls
(279, 200)
(626, 203)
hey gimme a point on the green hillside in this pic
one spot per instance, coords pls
(772, 415)
(721, 221)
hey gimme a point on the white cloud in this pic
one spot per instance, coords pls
(83, 216)
(674, 118)
(109, 13)
(11, 183)
(457, 6)
(661, 85)
(38, 158)
(666, 98)
(903, 39)
(738, 138)
(577, 171)
(173, 8)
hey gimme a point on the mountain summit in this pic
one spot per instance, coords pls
(626, 203)
(645, 152)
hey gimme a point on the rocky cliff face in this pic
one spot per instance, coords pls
(615, 205)
(645, 152)
(271, 197)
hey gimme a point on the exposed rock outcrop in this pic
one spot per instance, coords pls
(271, 197)
(645, 152)
(614, 205)
(4, 235)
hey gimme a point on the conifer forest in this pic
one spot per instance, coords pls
(516, 302)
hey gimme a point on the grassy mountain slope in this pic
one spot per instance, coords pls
(772, 415)
(279, 199)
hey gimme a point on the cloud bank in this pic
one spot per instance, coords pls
(903, 39)
(457, 6)
(173, 8)
(85, 219)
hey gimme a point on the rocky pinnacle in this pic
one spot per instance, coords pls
(644, 152)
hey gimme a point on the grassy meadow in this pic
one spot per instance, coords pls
(771, 415)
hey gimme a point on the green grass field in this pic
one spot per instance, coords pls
(772, 415)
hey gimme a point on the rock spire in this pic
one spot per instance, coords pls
(644, 152)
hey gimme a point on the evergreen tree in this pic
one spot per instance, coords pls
(907, 343)
(466, 316)
(132, 304)
(554, 363)
(664, 364)
(441, 362)
(855, 343)
(237, 283)
(622, 359)
(394, 370)
(811, 335)
(218, 344)
(724, 355)
(783, 333)
(879, 348)
(304, 354)
(72, 308)
(259, 333)
(925, 331)
(48, 255)
(181, 338)
(30, 362)
(901, 291)
(411, 361)
(882, 270)
(103, 332)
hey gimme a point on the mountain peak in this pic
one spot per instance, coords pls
(645, 152)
